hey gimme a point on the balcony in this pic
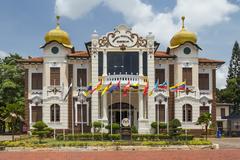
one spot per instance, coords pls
(124, 78)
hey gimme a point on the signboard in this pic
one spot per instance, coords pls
(122, 37)
(125, 122)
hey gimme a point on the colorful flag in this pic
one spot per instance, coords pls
(182, 86)
(145, 90)
(163, 86)
(106, 88)
(135, 85)
(178, 86)
(98, 87)
(70, 86)
(114, 87)
(126, 89)
(155, 88)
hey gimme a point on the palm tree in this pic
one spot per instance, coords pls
(205, 119)
(12, 115)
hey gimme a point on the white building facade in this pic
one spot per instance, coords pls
(53, 81)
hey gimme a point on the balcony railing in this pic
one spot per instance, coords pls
(124, 79)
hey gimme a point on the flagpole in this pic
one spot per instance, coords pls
(111, 114)
(120, 120)
(129, 106)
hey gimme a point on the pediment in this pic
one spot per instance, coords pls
(122, 37)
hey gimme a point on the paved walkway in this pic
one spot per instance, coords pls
(227, 143)
(129, 155)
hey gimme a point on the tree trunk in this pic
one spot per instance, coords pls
(206, 128)
(13, 132)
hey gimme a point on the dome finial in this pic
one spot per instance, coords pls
(58, 24)
(183, 18)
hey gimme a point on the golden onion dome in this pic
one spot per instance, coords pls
(182, 37)
(58, 35)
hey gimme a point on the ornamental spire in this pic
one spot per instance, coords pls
(183, 18)
(58, 24)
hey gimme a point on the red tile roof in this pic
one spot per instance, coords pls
(79, 54)
(84, 54)
(32, 60)
(206, 60)
(162, 54)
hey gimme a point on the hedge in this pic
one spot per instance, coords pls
(135, 137)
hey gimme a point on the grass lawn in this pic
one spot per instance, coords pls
(49, 143)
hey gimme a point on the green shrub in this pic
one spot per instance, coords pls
(175, 129)
(150, 137)
(134, 129)
(97, 125)
(41, 130)
(114, 137)
(115, 127)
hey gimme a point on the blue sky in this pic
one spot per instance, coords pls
(24, 23)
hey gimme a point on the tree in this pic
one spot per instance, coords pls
(11, 84)
(231, 93)
(12, 116)
(234, 66)
(175, 127)
(162, 126)
(205, 119)
(41, 130)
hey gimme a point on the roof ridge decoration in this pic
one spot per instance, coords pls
(122, 37)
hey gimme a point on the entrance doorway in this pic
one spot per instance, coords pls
(125, 110)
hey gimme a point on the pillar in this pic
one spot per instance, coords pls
(140, 63)
(104, 63)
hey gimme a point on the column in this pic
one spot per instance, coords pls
(30, 115)
(104, 63)
(104, 107)
(140, 106)
(140, 63)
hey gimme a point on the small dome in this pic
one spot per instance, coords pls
(58, 35)
(182, 37)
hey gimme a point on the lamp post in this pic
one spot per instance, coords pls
(81, 99)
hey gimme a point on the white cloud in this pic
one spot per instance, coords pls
(199, 13)
(3, 54)
(75, 8)
(222, 73)
(163, 24)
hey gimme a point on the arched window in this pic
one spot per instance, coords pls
(55, 113)
(187, 113)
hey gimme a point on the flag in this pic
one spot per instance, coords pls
(126, 89)
(106, 88)
(182, 86)
(163, 86)
(89, 90)
(89, 87)
(145, 90)
(178, 86)
(154, 88)
(114, 87)
(70, 86)
(151, 93)
(135, 85)
(98, 87)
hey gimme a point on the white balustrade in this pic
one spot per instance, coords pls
(124, 79)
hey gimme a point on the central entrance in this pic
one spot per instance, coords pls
(127, 111)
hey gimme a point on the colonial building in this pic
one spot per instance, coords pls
(54, 82)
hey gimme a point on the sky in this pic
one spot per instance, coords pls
(23, 24)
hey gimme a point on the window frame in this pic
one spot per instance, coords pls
(58, 80)
(55, 113)
(37, 81)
